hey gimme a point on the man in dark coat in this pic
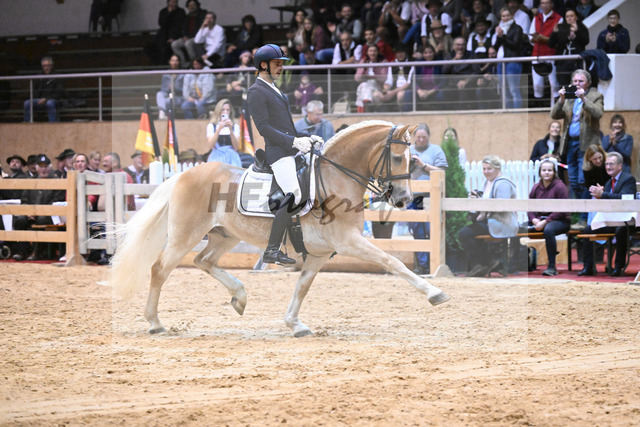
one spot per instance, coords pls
(16, 165)
(46, 93)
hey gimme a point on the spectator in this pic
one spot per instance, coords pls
(479, 11)
(295, 34)
(433, 20)
(345, 52)
(615, 38)
(395, 17)
(620, 183)
(188, 157)
(198, 91)
(419, 9)
(248, 38)
(487, 83)
(286, 82)
(186, 44)
(111, 164)
(95, 159)
(425, 158)
(32, 166)
(549, 146)
(586, 8)
(171, 84)
(520, 17)
(370, 80)
(306, 92)
(223, 134)
(385, 49)
(171, 22)
(459, 93)
(25, 222)
(80, 162)
(47, 92)
(237, 82)
(16, 165)
(550, 223)
(453, 8)
(594, 170)
(569, 38)
(211, 41)
(347, 21)
(619, 141)
(480, 39)
(137, 172)
(315, 38)
(313, 123)
(103, 12)
(65, 162)
(541, 28)
(509, 40)
(428, 90)
(396, 88)
(581, 124)
(440, 40)
(497, 224)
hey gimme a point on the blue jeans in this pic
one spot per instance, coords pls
(574, 165)
(420, 231)
(200, 105)
(513, 71)
(50, 106)
(325, 56)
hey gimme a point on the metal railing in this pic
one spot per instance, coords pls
(327, 75)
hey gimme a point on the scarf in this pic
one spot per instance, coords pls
(506, 25)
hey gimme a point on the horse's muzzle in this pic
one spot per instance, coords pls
(402, 199)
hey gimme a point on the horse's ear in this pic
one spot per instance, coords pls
(403, 129)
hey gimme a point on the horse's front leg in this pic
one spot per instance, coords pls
(359, 247)
(309, 271)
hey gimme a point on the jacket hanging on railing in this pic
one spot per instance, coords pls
(597, 64)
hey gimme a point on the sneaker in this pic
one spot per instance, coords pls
(551, 271)
(580, 225)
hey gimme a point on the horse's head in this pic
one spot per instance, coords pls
(391, 167)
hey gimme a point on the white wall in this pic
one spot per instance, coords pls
(22, 17)
(629, 18)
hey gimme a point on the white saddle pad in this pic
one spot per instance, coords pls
(253, 194)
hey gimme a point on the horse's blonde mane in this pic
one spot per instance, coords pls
(352, 129)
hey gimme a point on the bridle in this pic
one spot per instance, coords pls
(380, 185)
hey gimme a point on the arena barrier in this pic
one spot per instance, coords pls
(67, 212)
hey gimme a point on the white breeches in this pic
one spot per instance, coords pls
(538, 82)
(284, 171)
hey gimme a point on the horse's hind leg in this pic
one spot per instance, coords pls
(207, 261)
(309, 271)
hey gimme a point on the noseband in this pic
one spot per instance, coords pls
(381, 185)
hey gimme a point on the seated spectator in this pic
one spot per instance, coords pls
(16, 165)
(313, 123)
(65, 162)
(615, 38)
(111, 164)
(306, 92)
(185, 45)
(188, 157)
(210, 41)
(395, 17)
(435, 20)
(171, 84)
(550, 223)
(345, 52)
(594, 170)
(370, 37)
(25, 222)
(479, 10)
(429, 94)
(136, 170)
(295, 33)
(223, 134)
(198, 90)
(47, 93)
(454, 8)
(549, 146)
(347, 21)
(396, 88)
(371, 79)
(237, 82)
(569, 38)
(315, 39)
(585, 8)
(496, 224)
(620, 183)
(459, 83)
(95, 160)
(249, 37)
(619, 140)
(487, 83)
(425, 158)
(418, 10)
(171, 22)
(509, 40)
(441, 41)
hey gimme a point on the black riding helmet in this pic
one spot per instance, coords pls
(266, 53)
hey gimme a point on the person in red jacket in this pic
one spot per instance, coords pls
(541, 28)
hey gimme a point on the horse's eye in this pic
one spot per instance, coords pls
(397, 159)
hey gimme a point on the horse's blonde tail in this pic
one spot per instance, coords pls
(142, 239)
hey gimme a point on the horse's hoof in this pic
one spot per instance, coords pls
(239, 307)
(303, 333)
(439, 298)
(159, 330)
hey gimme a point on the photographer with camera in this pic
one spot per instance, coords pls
(581, 107)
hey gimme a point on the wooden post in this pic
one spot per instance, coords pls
(437, 237)
(73, 255)
(81, 190)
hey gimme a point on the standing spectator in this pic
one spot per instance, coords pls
(171, 22)
(586, 8)
(210, 40)
(520, 17)
(313, 123)
(95, 159)
(550, 223)
(47, 93)
(569, 38)
(399, 79)
(136, 170)
(16, 165)
(370, 80)
(186, 43)
(541, 28)
(395, 16)
(549, 146)
(198, 91)
(223, 134)
(248, 38)
(615, 38)
(171, 84)
(347, 22)
(306, 92)
(425, 158)
(619, 140)
(620, 183)
(581, 124)
(509, 40)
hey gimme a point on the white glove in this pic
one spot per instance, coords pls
(317, 141)
(303, 144)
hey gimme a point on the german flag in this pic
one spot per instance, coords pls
(147, 140)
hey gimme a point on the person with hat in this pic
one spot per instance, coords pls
(271, 113)
(32, 166)
(65, 162)
(480, 38)
(439, 39)
(479, 8)
(435, 19)
(16, 164)
(136, 170)
(541, 28)
(36, 197)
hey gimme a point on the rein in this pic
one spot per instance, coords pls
(381, 185)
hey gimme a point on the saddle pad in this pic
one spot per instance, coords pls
(253, 194)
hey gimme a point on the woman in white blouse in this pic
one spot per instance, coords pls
(223, 134)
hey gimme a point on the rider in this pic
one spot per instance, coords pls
(270, 111)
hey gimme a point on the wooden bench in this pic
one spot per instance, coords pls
(608, 237)
(504, 246)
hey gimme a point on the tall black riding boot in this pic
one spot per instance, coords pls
(273, 254)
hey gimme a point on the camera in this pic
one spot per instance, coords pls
(570, 92)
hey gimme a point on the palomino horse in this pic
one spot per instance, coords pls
(184, 209)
